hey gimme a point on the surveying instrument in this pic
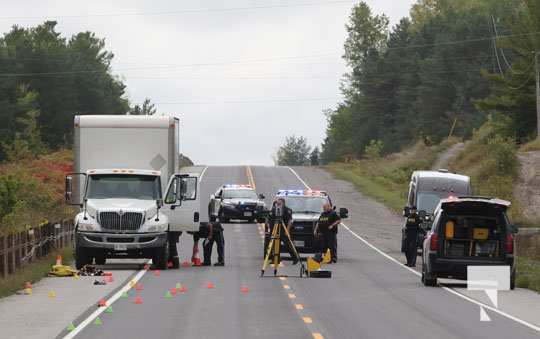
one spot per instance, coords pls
(274, 246)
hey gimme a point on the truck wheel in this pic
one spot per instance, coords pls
(427, 278)
(159, 259)
(82, 257)
(100, 259)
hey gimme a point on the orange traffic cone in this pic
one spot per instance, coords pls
(244, 290)
(173, 290)
(58, 260)
(157, 273)
(138, 300)
(183, 289)
(210, 285)
(102, 303)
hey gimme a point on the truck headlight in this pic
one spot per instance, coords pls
(87, 226)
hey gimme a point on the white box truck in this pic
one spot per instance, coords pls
(124, 166)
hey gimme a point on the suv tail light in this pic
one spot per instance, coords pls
(509, 244)
(433, 240)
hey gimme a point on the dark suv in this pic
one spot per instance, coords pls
(468, 231)
(239, 202)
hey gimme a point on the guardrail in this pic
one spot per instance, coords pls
(21, 248)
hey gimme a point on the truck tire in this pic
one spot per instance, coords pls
(82, 257)
(160, 257)
(427, 278)
(100, 259)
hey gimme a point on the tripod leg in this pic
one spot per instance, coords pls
(268, 251)
(291, 244)
(277, 248)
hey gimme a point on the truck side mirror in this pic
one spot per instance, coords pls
(187, 188)
(343, 213)
(159, 203)
(69, 188)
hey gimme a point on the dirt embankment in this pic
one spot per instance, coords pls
(527, 188)
(443, 160)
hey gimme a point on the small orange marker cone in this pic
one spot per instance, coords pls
(58, 260)
(183, 289)
(173, 290)
(102, 303)
(157, 273)
(107, 274)
(138, 300)
(138, 287)
(186, 264)
(197, 262)
(210, 285)
(108, 279)
(244, 290)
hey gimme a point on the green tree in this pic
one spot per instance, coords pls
(294, 152)
(147, 108)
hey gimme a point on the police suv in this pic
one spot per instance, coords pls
(306, 206)
(239, 202)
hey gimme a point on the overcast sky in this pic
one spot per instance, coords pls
(241, 75)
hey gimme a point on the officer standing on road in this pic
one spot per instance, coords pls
(215, 234)
(286, 216)
(411, 236)
(326, 231)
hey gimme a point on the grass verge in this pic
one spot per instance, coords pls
(528, 273)
(32, 272)
(386, 179)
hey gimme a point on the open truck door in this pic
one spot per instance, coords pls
(182, 203)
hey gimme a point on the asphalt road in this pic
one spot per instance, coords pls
(369, 296)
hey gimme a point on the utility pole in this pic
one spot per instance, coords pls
(537, 94)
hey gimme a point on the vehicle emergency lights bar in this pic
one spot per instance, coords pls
(302, 193)
(237, 186)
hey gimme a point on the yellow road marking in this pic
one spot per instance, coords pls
(307, 320)
(292, 296)
(299, 306)
(317, 336)
(282, 278)
(287, 287)
(249, 175)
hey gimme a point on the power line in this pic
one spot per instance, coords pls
(183, 11)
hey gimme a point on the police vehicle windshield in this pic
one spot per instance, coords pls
(305, 204)
(239, 194)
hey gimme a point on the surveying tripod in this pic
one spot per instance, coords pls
(275, 245)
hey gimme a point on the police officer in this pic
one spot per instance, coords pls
(326, 231)
(411, 236)
(286, 218)
(215, 234)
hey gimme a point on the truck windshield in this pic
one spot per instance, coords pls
(239, 194)
(105, 186)
(306, 205)
(428, 201)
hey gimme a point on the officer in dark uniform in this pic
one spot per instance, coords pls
(411, 236)
(286, 218)
(215, 234)
(326, 231)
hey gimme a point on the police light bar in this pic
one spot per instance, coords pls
(237, 186)
(302, 193)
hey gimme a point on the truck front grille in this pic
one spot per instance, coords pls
(127, 221)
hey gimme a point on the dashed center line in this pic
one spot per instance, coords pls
(287, 287)
(292, 296)
(317, 336)
(299, 306)
(307, 320)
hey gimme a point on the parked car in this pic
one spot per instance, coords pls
(468, 231)
(239, 202)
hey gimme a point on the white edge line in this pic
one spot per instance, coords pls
(493, 309)
(110, 301)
